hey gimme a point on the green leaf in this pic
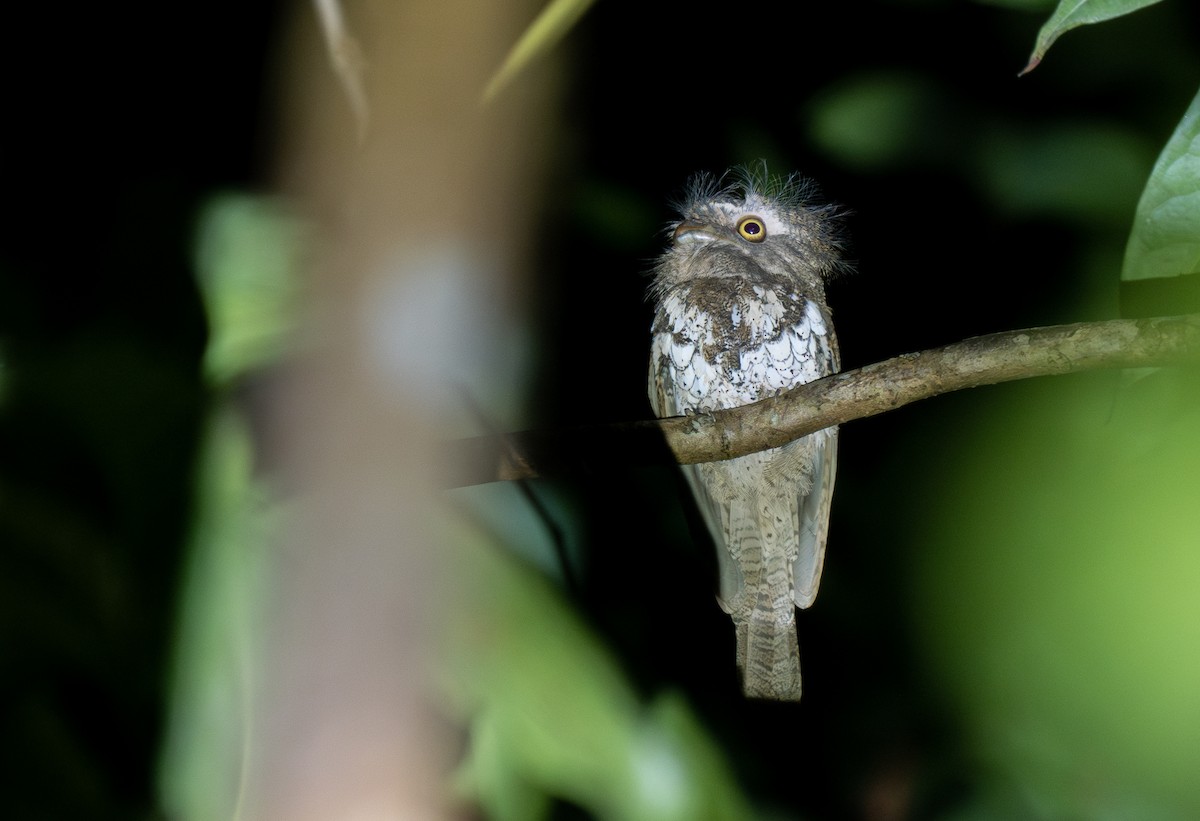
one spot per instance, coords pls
(1165, 240)
(1072, 13)
(543, 34)
(249, 253)
(220, 627)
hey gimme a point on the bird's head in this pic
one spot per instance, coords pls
(755, 227)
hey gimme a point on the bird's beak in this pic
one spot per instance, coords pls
(689, 232)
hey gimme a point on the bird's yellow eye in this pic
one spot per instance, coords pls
(752, 229)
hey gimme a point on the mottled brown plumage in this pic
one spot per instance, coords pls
(741, 315)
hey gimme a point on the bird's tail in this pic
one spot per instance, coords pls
(768, 653)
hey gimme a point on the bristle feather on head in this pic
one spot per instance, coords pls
(746, 183)
(791, 204)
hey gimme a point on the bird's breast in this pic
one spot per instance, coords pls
(724, 343)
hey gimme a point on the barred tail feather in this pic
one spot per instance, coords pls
(770, 656)
(767, 648)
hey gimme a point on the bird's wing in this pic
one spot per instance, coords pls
(672, 384)
(814, 520)
(724, 516)
(815, 505)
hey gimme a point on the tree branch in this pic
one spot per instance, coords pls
(857, 394)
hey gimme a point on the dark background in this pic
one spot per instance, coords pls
(122, 119)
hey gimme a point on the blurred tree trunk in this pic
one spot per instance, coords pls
(424, 222)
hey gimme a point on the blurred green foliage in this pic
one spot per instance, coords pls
(872, 121)
(219, 628)
(249, 252)
(550, 714)
(1055, 590)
